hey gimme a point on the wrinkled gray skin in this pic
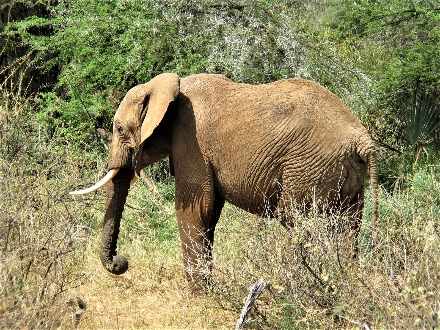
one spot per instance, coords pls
(260, 148)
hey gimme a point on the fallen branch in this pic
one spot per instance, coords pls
(255, 291)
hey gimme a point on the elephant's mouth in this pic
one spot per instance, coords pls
(133, 154)
(134, 158)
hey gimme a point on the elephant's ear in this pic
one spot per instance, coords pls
(159, 93)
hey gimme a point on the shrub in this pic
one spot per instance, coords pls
(102, 49)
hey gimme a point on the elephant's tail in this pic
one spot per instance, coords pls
(372, 159)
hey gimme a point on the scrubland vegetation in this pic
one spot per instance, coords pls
(64, 66)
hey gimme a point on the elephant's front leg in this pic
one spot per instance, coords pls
(197, 217)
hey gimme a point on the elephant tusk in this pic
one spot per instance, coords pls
(110, 175)
(133, 181)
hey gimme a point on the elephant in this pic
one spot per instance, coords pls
(262, 148)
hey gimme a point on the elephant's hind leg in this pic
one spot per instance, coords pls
(346, 226)
(291, 208)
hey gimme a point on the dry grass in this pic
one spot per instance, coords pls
(395, 286)
(147, 297)
(40, 237)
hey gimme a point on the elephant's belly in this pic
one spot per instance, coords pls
(262, 207)
(268, 194)
(261, 199)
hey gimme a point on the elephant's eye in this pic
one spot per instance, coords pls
(120, 129)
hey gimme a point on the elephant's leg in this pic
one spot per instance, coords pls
(197, 218)
(348, 226)
(291, 206)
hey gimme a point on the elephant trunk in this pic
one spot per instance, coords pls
(116, 195)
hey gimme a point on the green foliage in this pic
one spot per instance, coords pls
(424, 118)
(150, 218)
(398, 44)
(404, 36)
(369, 53)
(103, 48)
(423, 125)
(21, 20)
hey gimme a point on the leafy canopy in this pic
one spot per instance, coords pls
(103, 48)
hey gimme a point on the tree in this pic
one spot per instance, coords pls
(403, 38)
(18, 65)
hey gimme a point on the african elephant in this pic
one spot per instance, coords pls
(259, 147)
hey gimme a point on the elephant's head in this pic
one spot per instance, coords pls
(137, 117)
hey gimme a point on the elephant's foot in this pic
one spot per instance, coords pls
(199, 279)
(199, 286)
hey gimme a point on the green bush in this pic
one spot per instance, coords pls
(398, 42)
(103, 48)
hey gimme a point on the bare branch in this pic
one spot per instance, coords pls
(255, 291)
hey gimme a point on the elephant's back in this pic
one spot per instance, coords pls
(294, 101)
(250, 117)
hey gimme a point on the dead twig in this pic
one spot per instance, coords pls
(255, 291)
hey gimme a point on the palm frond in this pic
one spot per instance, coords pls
(424, 118)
